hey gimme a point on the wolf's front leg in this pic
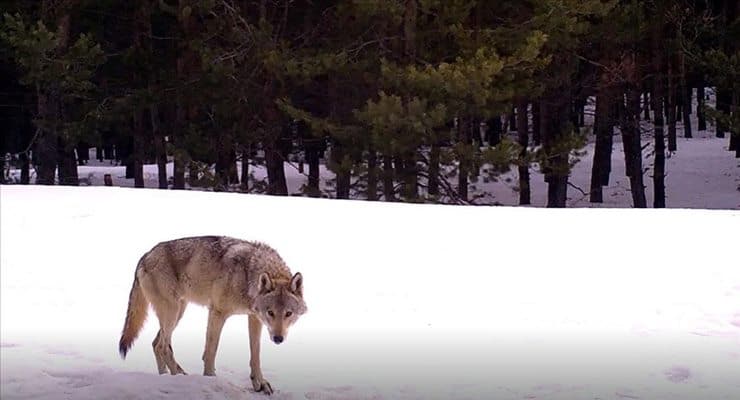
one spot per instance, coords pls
(258, 381)
(216, 320)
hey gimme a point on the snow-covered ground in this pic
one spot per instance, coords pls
(405, 301)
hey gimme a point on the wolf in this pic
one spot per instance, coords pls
(229, 276)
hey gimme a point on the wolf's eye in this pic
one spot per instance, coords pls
(288, 314)
(271, 314)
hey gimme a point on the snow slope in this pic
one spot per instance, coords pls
(405, 301)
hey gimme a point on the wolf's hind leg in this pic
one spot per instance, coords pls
(161, 366)
(182, 305)
(168, 317)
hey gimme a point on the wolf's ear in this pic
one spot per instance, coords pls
(265, 283)
(296, 284)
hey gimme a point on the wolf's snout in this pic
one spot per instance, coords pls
(277, 339)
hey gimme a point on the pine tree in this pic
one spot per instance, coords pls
(59, 68)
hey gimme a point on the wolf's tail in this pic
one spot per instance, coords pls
(138, 307)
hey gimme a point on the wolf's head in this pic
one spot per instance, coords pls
(279, 304)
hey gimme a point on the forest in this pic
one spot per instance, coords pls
(402, 100)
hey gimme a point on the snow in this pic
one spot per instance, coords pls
(405, 301)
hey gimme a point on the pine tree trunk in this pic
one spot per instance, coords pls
(409, 170)
(625, 128)
(727, 98)
(613, 114)
(178, 172)
(632, 142)
(25, 168)
(343, 173)
(475, 142)
(536, 123)
(372, 175)
(433, 184)
(686, 111)
(67, 164)
(604, 129)
(141, 31)
(700, 101)
(646, 105)
(47, 152)
(596, 193)
(512, 120)
(138, 149)
(225, 162)
(659, 167)
(181, 113)
(83, 153)
(276, 182)
(735, 136)
(523, 139)
(678, 98)
(687, 98)
(463, 167)
(577, 112)
(389, 191)
(233, 171)
(222, 163)
(274, 161)
(555, 113)
(244, 186)
(724, 98)
(409, 30)
(672, 100)
(494, 131)
(313, 157)
(410, 176)
(160, 147)
(158, 136)
(398, 166)
(125, 150)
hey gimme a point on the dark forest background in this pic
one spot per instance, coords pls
(415, 99)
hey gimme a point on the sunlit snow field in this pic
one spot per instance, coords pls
(405, 301)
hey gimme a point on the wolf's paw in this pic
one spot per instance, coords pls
(177, 370)
(261, 385)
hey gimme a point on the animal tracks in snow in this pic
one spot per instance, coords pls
(678, 374)
(736, 320)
